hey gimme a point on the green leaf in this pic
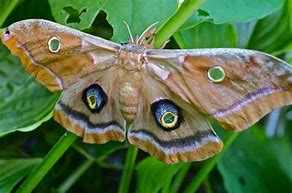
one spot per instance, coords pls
(138, 14)
(273, 32)
(225, 11)
(207, 35)
(24, 104)
(244, 32)
(194, 20)
(250, 165)
(240, 11)
(153, 175)
(14, 170)
(282, 149)
(6, 8)
(47, 163)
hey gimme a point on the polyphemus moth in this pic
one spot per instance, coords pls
(164, 95)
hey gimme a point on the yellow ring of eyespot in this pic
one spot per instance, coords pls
(216, 68)
(50, 46)
(91, 103)
(169, 125)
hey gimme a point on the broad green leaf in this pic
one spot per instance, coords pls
(6, 7)
(14, 170)
(197, 18)
(251, 165)
(273, 32)
(240, 10)
(207, 35)
(153, 175)
(138, 14)
(24, 104)
(78, 14)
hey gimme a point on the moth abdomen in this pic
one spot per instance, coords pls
(129, 113)
(128, 99)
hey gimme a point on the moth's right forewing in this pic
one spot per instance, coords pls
(251, 84)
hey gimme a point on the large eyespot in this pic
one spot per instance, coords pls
(54, 44)
(94, 98)
(167, 115)
(216, 74)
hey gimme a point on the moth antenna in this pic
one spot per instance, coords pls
(130, 33)
(136, 40)
(146, 30)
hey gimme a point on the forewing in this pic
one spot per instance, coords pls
(36, 43)
(255, 83)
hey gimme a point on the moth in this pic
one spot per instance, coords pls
(165, 96)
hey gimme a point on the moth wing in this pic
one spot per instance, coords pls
(73, 112)
(57, 56)
(255, 83)
(194, 139)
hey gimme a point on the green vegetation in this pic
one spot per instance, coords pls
(47, 159)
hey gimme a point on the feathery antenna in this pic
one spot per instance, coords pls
(130, 33)
(146, 30)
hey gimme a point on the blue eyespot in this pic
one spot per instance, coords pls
(167, 115)
(94, 98)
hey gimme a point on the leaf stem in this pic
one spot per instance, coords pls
(48, 162)
(181, 175)
(206, 168)
(128, 169)
(187, 8)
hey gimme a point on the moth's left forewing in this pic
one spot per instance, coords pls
(254, 83)
(56, 55)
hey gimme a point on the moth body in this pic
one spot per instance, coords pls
(129, 99)
(133, 57)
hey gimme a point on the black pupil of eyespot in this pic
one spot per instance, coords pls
(7, 32)
(165, 110)
(94, 98)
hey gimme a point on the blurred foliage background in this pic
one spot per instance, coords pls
(257, 160)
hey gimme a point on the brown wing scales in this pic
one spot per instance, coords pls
(255, 84)
(79, 54)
